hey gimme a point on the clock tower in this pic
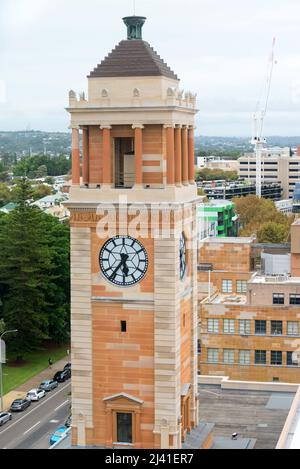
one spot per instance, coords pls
(133, 253)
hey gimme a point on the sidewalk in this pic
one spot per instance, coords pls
(34, 382)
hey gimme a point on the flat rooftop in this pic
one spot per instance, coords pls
(228, 240)
(274, 280)
(254, 415)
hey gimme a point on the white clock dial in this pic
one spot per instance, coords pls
(123, 261)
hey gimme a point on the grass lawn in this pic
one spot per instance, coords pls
(14, 376)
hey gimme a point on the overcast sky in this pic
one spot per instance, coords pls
(219, 49)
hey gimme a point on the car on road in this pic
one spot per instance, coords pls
(5, 417)
(36, 394)
(68, 422)
(62, 376)
(19, 405)
(58, 435)
(67, 366)
(49, 385)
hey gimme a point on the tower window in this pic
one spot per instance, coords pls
(124, 428)
(123, 326)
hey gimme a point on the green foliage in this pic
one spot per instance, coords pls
(2, 326)
(5, 195)
(34, 274)
(216, 174)
(256, 213)
(272, 232)
(41, 191)
(41, 165)
(230, 154)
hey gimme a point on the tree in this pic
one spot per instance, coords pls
(206, 174)
(272, 232)
(2, 326)
(41, 191)
(42, 171)
(5, 195)
(255, 212)
(25, 272)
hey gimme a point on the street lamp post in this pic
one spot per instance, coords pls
(1, 374)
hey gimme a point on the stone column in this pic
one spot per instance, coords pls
(85, 156)
(185, 156)
(178, 156)
(75, 156)
(138, 150)
(191, 146)
(107, 172)
(170, 154)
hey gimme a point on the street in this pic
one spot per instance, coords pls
(32, 428)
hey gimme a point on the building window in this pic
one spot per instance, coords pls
(245, 357)
(124, 428)
(213, 326)
(276, 358)
(199, 346)
(241, 286)
(260, 357)
(228, 357)
(293, 328)
(213, 355)
(227, 286)
(289, 359)
(245, 326)
(294, 299)
(260, 327)
(123, 326)
(278, 299)
(229, 326)
(276, 327)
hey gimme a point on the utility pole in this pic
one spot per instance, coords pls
(1, 361)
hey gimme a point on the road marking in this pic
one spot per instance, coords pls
(33, 410)
(53, 421)
(61, 405)
(29, 430)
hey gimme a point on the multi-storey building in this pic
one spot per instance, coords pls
(133, 266)
(217, 218)
(277, 166)
(228, 190)
(250, 320)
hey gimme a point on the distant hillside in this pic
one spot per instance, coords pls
(55, 143)
(231, 144)
(35, 142)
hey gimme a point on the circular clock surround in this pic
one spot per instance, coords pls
(123, 261)
(182, 256)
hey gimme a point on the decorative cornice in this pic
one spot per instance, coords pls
(108, 127)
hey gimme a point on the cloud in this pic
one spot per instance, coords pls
(219, 48)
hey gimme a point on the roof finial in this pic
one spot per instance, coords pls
(134, 27)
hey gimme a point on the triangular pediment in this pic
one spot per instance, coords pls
(123, 396)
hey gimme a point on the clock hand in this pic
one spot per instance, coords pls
(124, 258)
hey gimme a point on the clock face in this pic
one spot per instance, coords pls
(123, 261)
(182, 257)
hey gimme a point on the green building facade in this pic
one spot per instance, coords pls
(217, 218)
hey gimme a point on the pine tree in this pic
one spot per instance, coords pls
(25, 272)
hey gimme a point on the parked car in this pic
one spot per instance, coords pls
(68, 422)
(5, 417)
(36, 394)
(62, 376)
(48, 385)
(67, 366)
(58, 435)
(19, 405)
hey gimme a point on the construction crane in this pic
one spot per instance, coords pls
(258, 140)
